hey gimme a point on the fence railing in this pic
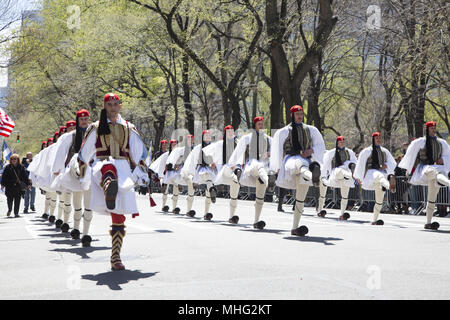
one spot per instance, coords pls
(406, 196)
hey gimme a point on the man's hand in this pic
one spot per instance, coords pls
(359, 181)
(56, 173)
(383, 167)
(213, 166)
(440, 161)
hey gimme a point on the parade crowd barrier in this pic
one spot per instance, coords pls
(406, 199)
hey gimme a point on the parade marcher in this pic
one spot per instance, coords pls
(14, 182)
(30, 194)
(174, 165)
(338, 166)
(67, 179)
(158, 167)
(32, 167)
(81, 192)
(65, 139)
(44, 178)
(375, 171)
(221, 152)
(297, 155)
(119, 164)
(162, 149)
(37, 179)
(170, 175)
(252, 153)
(200, 169)
(429, 158)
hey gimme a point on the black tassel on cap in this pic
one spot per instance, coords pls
(103, 128)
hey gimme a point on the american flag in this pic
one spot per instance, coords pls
(6, 124)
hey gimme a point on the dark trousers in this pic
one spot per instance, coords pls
(281, 193)
(30, 196)
(16, 201)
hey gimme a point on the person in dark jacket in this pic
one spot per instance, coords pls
(13, 176)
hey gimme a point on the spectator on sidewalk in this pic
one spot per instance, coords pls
(14, 182)
(30, 194)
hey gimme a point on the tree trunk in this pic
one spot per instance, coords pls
(187, 95)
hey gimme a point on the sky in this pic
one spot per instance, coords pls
(18, 7)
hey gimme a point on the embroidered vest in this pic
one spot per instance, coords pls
(304, 137)
(436, 148)
(116, 144)
(381, 160)
(344, 155)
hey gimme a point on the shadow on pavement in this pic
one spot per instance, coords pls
(55, 235)
(436, 231)
(276, 231)
(113, 279)
(70, 242)
(164, 231)
(323, 240)
(80, 251)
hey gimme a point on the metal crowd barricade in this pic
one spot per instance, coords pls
(406, 195)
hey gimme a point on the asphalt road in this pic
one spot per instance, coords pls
(176, 257)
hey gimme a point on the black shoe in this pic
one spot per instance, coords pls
(259, 225)
(191, 213)
(322, 213)
(300, 231)
(44, 216)
(75, 234)
(280, 210)
(432, 226)
(165, 209)
(16, 215)
(176, 211)
(65, 227)
(111, 194)
(233, 220)
(51, 219)
(25, 210)
(314, 167)
(58, 223)
(344, 216)
(213, 194)
(8, 213)
(86, 241)
(33, 209)
(238, 173)
(208, 216)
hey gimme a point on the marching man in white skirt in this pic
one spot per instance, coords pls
(119, 164)
(36, 179)
(64, 197)
(68, 179)
(45, 176)
(171, 175)
(252, 152)
(221, 152)
(64, 143)
(429, 158)
(200, 169)
(158, 168)
(174, 164)
(375, 171)
(297, 154)
(338, 167)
